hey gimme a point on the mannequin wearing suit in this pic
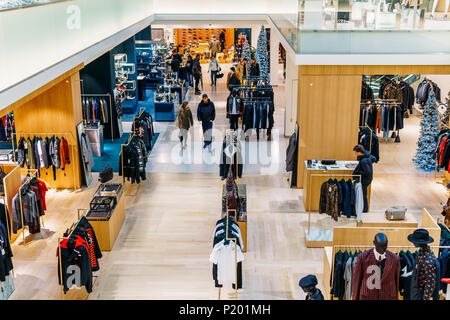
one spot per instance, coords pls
(376, 273)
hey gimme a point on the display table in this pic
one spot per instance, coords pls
(378, 220)
(107, 228)
(179, 90)
(142, 92)
(313, 183)
(164, 111)
(95, 136)
(242, 220)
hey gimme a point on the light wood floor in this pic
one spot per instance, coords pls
(163, 249)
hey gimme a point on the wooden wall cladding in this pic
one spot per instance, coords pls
(184, 37)
(54, 111)
(327, 116)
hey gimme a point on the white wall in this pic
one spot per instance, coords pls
(224, 7)
(291, 95)
(33, 39)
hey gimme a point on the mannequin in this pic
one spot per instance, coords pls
(435, 3)
(308, 284)
(423, 282)
(376, 273)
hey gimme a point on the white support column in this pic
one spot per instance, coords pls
(291, 92)
(274, 65)
(255, 33)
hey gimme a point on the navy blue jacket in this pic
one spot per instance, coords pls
(364, 168)
(206, 111)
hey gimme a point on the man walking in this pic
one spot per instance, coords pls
(206, 113)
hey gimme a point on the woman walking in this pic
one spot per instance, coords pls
(214, 68)
(184, 122)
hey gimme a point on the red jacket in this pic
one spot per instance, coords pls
(364, 274)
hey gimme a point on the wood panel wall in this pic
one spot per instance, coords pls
(327, 116)
(328, 108)
(55, 110)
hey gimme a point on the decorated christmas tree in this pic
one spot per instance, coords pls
(429, 128)
(246, 53)
(261, 54)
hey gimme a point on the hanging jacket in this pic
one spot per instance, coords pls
(6, 264)
(389, 284)
(30, 154)
(75, 252)
(64, 153)
(291, 161)
(21, 152)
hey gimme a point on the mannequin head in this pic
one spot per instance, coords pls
(380, 242)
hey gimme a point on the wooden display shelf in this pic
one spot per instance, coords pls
(378, 220)
(107, 230)
(313, 184)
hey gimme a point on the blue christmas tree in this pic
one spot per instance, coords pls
(429, 129)
(246, 53)
(261, 54)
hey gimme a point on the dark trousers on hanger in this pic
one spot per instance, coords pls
(366, 202)
(234, 121)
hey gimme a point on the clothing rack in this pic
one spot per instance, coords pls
(235, 249)
(231, 135)
(110, 109)
(130, 138)
(81, 213)
(16, 135)
(141, 111)
(365, 247)
(392, 103)
(324, 175)
(27, 181)
(436, 162)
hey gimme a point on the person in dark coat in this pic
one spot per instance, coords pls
(425, 270)
(206, 113)
(234, 80)
(254, 68)
(189, 65)
(308, 284)
(365, 169)
(197, 73)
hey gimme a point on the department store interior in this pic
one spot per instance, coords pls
(168, 152)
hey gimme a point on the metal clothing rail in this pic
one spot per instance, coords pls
(27, 181)
(48, 134)
(81, 213)
(235, 250)
(368, 247)
(110, 109)
(436, 162)
(310, 189)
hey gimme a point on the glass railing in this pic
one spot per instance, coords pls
(17, 4)
(370, 26)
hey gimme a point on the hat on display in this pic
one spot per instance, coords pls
(309, 281)
(420, 236)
